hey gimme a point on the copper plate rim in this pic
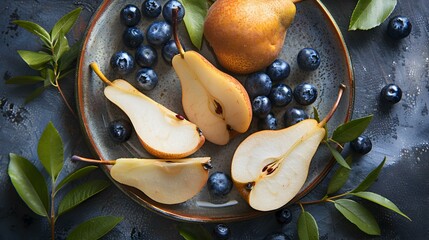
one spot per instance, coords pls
(129, 191)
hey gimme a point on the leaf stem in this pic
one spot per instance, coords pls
(328, 199)
(52, 219)
(65, 100)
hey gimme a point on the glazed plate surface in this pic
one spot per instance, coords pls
(313, 27)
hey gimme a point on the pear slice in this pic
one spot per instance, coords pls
(270, 167)
(163, 133)
(167, 181)
(212, 99)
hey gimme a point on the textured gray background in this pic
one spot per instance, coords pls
(399, 132)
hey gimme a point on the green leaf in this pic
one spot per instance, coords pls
(81, 193)
(94, 228)
(25, 80)
(371, 13)
(351, 130)
(316, 114)
(196, 11)
(74, 176)
(35, 60)
(65, 24)
(340, 160)
(29, 183)
(380, 200)
(339, 178)
(369, 180)
(307, 227)
(61, 46)
(34, 94)
(193, 231)
(51, 151)
(36, 29)
(358, 215)
(70, 56)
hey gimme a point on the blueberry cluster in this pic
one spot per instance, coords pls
(266, 90)
(158, 34)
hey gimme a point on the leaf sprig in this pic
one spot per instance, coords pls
(54, 61)
(371, 13)
(31, 186)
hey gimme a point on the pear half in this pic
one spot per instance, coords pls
(162, 132)
(270, 167)
(212, 99)
(167, 181)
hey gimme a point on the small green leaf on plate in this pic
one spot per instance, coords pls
(35, 60)
(351, 130)
(29, 183)
(193, 231)
(75, 175)
(307, 227)
(369, 180)
(358, 215)
(36, 29)
(371, 13)
(340, 160)
(65, 24)
(94, 228)
(24, 80)
(339, 178)
(380, 200)
(51, 151)
(316, 114)
(81, 193)
(196, 11)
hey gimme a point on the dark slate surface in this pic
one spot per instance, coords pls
(399, 132)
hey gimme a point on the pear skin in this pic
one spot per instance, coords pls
(248, 35)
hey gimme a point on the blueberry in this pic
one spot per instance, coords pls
(399, 27)
(221, 231)
(130, 15)
(391, 93)
(147, 78)
(151, 8)
(361, 144)
(258, 84)
(158, 33)
(122, 62)
(261, 106)
(305, 93)
(294, 115)
(284, 216)
(169, 50)
(278, 70)
(268, 123)
(308, 59)
(167, 11)
(277, 236)
(132, 37)
(219, 184)
(280, 95)
(146, 56)
(120, 130)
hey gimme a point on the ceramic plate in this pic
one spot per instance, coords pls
(313, 27)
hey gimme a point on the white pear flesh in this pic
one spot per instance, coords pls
(292, 148)
(202, 86)
(164, 181)
(159, 129)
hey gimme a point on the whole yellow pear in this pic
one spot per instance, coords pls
(248, 35)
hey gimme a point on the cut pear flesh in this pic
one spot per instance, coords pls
(162, 132)
(165, 181)
(212, 99)
(275, 163)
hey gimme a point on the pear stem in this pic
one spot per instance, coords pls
(100, 74)
(297, 1)
(175, 12)
(334, 107)
(83, 159)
